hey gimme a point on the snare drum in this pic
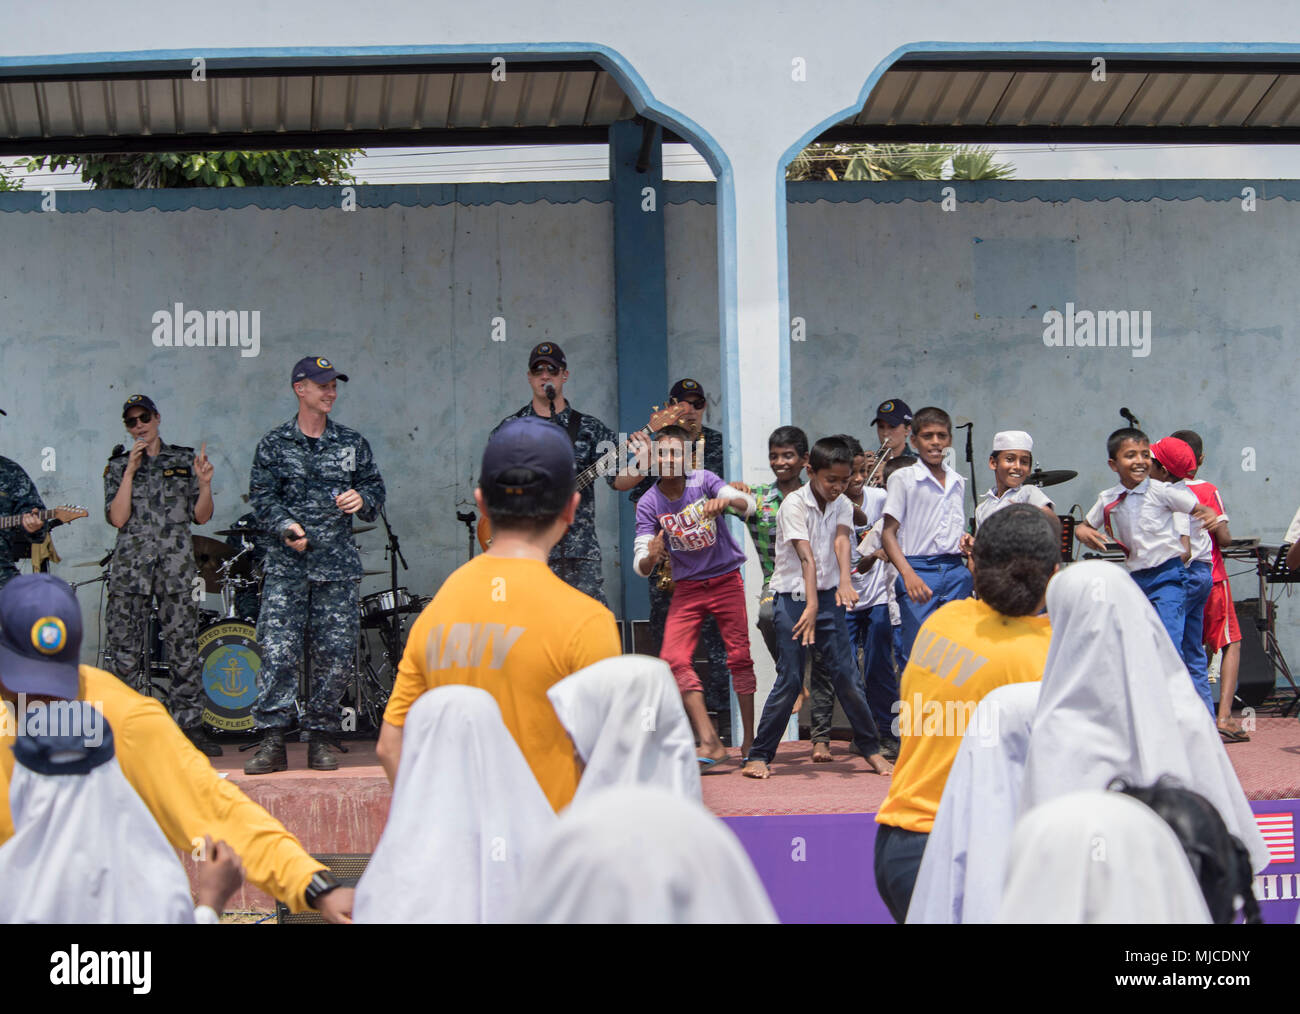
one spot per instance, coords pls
(383, 605)
(231, 659)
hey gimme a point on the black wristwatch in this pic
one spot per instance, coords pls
(321, 884)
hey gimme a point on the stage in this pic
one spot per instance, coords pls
(809, 828)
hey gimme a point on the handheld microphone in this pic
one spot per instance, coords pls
(1130, 418)
(550, 392)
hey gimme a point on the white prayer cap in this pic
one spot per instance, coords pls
(1013, 440)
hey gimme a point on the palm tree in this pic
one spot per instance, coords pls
(879, 162)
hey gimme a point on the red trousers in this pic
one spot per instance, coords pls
(723, 598)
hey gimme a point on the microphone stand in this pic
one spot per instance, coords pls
(467, 518)
(394, 646)
(970, 464)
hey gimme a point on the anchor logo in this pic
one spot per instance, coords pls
(233, 685)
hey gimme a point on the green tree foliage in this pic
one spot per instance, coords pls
(7, 182)
(879, 162)
(206, 168)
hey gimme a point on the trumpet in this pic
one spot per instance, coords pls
(883, 455)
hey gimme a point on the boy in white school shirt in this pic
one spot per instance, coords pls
(1138, 513)
(812, 587)
(1012, 460)
(925, 519)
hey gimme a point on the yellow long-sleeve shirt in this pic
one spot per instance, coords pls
(183, 791)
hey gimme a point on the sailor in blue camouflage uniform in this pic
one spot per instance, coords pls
(151, 494)
(18, 496)
(310, 476)
(717, 682)
(576, 557)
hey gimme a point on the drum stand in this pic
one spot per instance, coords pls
(1275, 573)
(369, 688)
(467, 518)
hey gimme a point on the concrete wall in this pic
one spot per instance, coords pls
(899, 296)
(401, 297)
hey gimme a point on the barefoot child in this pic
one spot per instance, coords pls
(1219, 622)
(1011, 461)
(813, 586)
(706, 580)
(1138, 514)
(925, 519)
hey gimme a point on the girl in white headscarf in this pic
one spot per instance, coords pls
(636, 854)
(1116, 701)
(625, 717)
(85, 848)
(1099, 857)
(466, 812)
(965, 861)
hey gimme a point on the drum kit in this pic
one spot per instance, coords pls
(228, 652)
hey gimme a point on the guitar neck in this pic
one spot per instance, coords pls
(14, 520)
(592, 472)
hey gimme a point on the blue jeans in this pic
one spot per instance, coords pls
(870, 630)
(1163, 587)
(948, 580)
(832, 638)
(897, 862)
(1198, 579)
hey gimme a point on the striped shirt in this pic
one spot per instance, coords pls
(762, 525)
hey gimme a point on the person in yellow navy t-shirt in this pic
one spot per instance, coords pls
(40, 641)
(504, 622)
(963, 650)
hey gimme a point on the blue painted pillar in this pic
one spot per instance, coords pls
(641, 314)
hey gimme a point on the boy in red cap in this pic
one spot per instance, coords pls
(1220, 630)
(1172, 461)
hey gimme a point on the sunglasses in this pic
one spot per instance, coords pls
(695, 403)
(544, 371)
(143, 417)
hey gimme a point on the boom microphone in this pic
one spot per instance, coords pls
(1130, 418)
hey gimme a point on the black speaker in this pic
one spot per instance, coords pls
(346, 867)
(1255, 678)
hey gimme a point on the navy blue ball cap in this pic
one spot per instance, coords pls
(40, 637)
(533, 443)
(547, 352)
(139, 401)
(317, 369)
(686, 388)
(893, 412)
(75, 739)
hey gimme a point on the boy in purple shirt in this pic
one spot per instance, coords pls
(679, 516)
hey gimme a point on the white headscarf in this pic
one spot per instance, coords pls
(86, 849)
(637, 854)
(965, 861)
(1117, 701)
(1099, 857)
(466, 813)
(626, 719)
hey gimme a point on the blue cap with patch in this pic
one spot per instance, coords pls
(139, 401)
(317, 369)
(533, 443)
(40, 636)
(894, 413)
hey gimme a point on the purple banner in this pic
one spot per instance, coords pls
(819, 868)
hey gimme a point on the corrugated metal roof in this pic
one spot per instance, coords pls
(1007, 99)
(44, 113)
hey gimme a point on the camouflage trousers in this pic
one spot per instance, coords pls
(586, 575)
(716, 681)
(326, 614)
(127, 622)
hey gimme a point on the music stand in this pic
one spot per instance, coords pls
(1275, 572)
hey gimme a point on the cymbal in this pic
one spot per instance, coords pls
(88, 563)
(1050, 478)
(250, 532)
(210, 554)
(373, 573)
(364, 528)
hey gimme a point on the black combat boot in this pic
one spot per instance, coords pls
(270, 755)
(320, 752)
(202, 743)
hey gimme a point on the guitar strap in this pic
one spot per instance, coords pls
(575, 422)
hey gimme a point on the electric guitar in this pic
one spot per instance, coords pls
(62, 515)
(659, 418)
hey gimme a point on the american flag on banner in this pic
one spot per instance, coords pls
(1278, 830)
